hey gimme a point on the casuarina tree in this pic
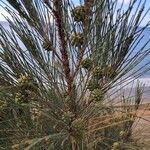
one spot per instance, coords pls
(62, 66)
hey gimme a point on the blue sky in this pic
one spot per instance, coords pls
(126, 2)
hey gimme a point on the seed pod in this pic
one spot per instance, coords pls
(122, 134)
(93, 84)
(47, 45)
(87, 63)
(79, 13)
(15, 147)
(26, 83)
(35, 113)
(67, 117)
(23, 81)
(77, 39)
(21, 98)
(97, 95)
(97, 72)
(116, 145)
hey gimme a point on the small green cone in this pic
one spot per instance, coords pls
(93, 84)
(22, 80)
(97, 95)
(79, 13)
(21, 98)
(77, 39)
(87, 63)
(47, 45)
(116, 146)
(67, 117)
(97, 72)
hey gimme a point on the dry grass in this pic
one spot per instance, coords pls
(141, 131)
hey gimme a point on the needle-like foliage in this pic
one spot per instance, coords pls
(61, 67)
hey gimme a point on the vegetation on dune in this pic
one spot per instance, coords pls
(61, 69)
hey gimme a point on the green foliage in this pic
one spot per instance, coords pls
(60, 67)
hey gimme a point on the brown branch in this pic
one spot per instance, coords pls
(64, 54)
(79, 60)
